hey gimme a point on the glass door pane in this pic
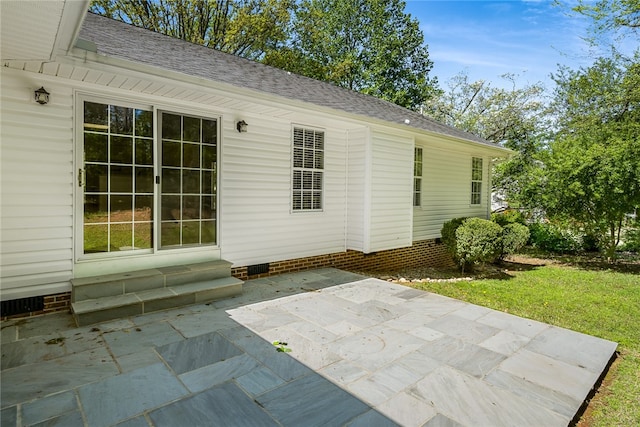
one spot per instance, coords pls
(189, 154)
(119, 179)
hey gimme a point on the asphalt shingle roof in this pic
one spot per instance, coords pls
(123, 41)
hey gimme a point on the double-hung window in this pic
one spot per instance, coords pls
(417, 177)
(476, 181)
(308, 169)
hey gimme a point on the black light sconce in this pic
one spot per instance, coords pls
(41, 96)
(241, 126)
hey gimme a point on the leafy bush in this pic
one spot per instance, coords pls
(554, 238)
(631, 240)
(591, 242)
(508, 217)
(514, 237)
(478, 240)
(448, 234)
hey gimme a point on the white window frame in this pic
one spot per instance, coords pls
(477, 177)
(418, 162)
(307, 169)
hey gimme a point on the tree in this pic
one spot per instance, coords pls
(505, 116)
(370, 46)
(611, 15)
(593, 166)
(246, 28)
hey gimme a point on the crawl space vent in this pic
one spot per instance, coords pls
(252, 270)
(21, 305)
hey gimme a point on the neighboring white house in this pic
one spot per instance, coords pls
(152, 151)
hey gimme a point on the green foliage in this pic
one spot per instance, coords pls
(508, 217)
(506, 116)
(621, 17)
(478, 240)
(514, 237)
(281, 347)
(592, 172)
(247, 28)
(371, 46)
(448, 233)
(632, 240)
(591, 242)
(554, 238)
(521, 177)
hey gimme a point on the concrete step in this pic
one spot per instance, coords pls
(90, 311)
(88, 288)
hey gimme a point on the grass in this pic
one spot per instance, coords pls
(600, 302)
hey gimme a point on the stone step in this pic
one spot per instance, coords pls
(90, 311)
(119, 284)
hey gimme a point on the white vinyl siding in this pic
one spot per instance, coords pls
(37, 200)
(257, 223)
(447, 169)
(367, 187)
(391, 191)
(358, 180)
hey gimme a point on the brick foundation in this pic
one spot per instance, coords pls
(421, 253)
(52, 304)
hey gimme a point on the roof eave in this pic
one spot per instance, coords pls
(73, 16)
(82, 57)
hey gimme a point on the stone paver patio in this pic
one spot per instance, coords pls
(364, 352)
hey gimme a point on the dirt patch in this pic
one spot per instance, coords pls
(500, 270)
(53, 341)
(626, 263)
(586, 420)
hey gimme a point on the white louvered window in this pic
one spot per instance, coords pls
(476, 181)
(308, 169)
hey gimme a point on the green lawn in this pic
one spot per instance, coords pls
(602, 303)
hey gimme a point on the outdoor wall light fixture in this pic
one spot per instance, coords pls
(41, 96)
(241, 126)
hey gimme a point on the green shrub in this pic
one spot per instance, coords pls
(591, 242)
(631, 241)
(478, 240)
(448, 233)
(514, 237)
(508, 217)
(554, 238)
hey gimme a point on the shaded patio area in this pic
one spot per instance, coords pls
(359, 352)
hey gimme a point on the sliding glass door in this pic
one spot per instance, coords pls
(118, 178)
(188, 183)
(143, 193)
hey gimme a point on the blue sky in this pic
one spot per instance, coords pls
(489, 38)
